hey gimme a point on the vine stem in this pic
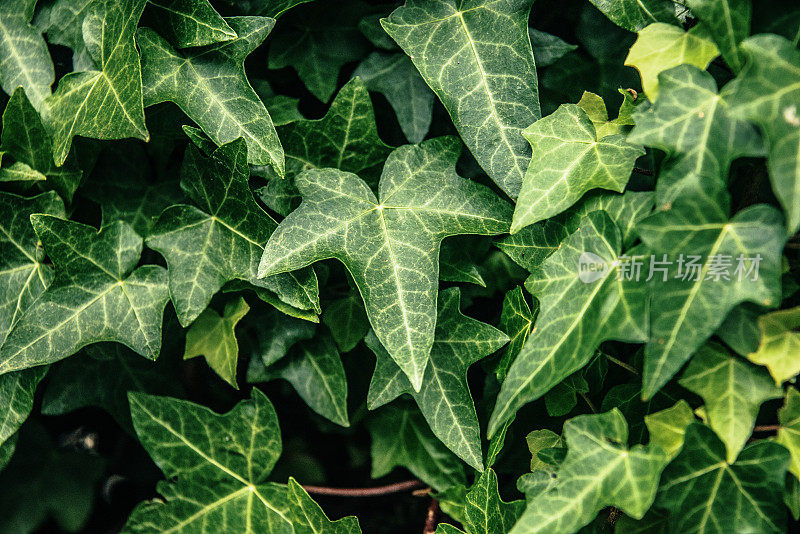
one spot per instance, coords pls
(432, 519)
(377, 491)
(766, 428)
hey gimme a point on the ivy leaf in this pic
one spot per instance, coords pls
(663, 46)
(634, 15)
(732, 390)
(347, 321)
(539, 440)
(548, 48)
(97, 294)
(701, 489)
(595, 108)
(26, 60)
(533, 244)
(395, 265)
(394, 76)
(62, 21)
(779, 345)
(308, 518)
(222, 238)
(270, 8)
(569, 160)
(212, 336)
(219, 464)
(626, 210)
(603, 306)
(728, 22)
(484, 511)
(275, 335)
(25, 139)
(444, 398)
(789, 431)
(689, 306)
(16, 402)
(767, 92)
(598, 471)
(667, 428)
(456, 264)
(20, 172)
(516, 320)
(104, 103)
(211, 87)
(479, 62)
(401, 437)
(23, 273)
(191, 22)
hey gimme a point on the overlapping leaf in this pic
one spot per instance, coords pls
(779, 344)
(484, 511)
(308, 518)
(789, 431)
(191, 22)
(16, 401)
(728, 22)
(634, 15)
(25, 59)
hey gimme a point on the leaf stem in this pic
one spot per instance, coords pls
(377, 491)
(622, 364)
(766, 428)
(432, 519)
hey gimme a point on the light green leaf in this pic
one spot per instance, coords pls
(706, 494)
(548, 48)
(104, 103)
(732, 390)
(212, 336)
(690, 302)
(602, 305)
(401, 437)
(191, 22)
(394, 76)
(767, 92)
(347, 321)
(308, 518)
(728, 22)
(569, 160)
(97, 294)
(444, 398)
(477, 58)
(222, 238)
(537, 441)
(595, 108)
(219, 464)
(390, 246)
(516, 320)
(598, 471)
(663, 46)
(779, 345)
(634, 15)
(25, 58)
(23, 273)
(667, 428)
(484, 511)
(789, 431)
(210, 86)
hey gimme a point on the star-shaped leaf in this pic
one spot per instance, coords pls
(222, 238)
(211, 87)
(217, 466)
(569, 160)
(706, 494)
(191, 22)
(105, 103)
(484, 511)
(789, 431)
(444, 398)
(728, 22)
(25, 58)
(634, 15)
(212, 336)
(602, 305)
(732, 390)
(477, 58)
(390, 244)
(598, 471)
(779, 345)
(663, 46)
(732, 261)
(97, 294)
(308, 518)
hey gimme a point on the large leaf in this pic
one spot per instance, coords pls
(732, 390)
(444, 398)
(210, 86)
(98, 294)
(634, 15)
(191, 22)
(217, 465)
(706, 494)
(25, 59)
(598, 471)
(477, 58)
(484, 511)
(222, 238)
(569, 160)
(601, 304)
(779, 344)
(728, 22)
(389, 244)
(105, 103)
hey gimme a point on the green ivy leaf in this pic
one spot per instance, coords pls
(779, 344)
(395, 262)
(62, 21)
(533, 244)
(728, 22)
(16, 402)
(789, 431)
(667, 428)
(274, 335)
(516, 320)
(732, 390)
(104, 103)
(444, 398)
(20, 172)
(212, 336)
(270, 8)
(97, 294)
(222, 238)
(308, 518)
(484, 511)
(634, 15)
(221, 99)
(26, 60)
(701, 489)
(568, 160)
(191, 22)
(347, 321)
(539, 440)
(663, 46)
(548, 48)
(478, 60)
(456, 264)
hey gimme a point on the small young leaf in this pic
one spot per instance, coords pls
(779, 345)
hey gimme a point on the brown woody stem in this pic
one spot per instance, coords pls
(377, 491)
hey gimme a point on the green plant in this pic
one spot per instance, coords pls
(401, 237)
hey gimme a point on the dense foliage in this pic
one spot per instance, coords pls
(548, 252)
